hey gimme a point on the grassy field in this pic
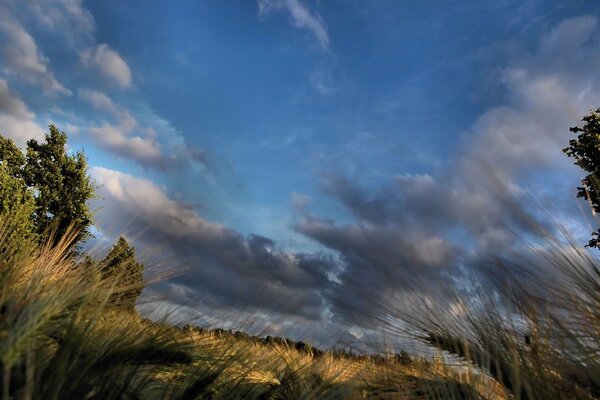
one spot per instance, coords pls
(60, 338)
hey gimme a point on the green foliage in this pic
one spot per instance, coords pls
(16, 200)
(11, 158)
(586, 152)
(59, 182)
(62, 183)
(121, 267)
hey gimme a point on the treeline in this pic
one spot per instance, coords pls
(228, 334)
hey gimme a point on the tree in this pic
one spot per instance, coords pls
(12, 159)
(59, 182)
(16, 209)
(126, 274)
(586, 152)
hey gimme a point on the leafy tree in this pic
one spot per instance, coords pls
(60, 182)
(16, 209)
(586, 152)
(12, 159)
(121, 266)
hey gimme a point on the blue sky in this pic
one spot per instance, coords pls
(281, 145)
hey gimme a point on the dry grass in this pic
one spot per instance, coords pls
(60, 339)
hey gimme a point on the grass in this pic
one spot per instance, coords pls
(60, 338)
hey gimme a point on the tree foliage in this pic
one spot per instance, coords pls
(16, 208)
(121, 266)
(59, 182)
(585, 149)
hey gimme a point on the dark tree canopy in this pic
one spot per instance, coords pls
(585, 149)
(121, 266)
(59, 182)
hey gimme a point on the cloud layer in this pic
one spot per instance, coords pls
(430, 228)
(226, 269)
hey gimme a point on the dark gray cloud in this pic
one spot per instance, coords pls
(223, 267)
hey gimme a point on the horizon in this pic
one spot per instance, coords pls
(284, 149)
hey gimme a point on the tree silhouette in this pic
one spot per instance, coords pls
(126, 273)
(585, 149)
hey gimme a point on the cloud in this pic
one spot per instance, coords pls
(108, 63)
(322, 80)
(16, 120)
(67, 17)
(11, 104)
(143, 150)
(301, 17)
(129, 139)
(22, 57)
(225, 268)
(98, 100)
(435, 227)
(102, 102)
(120, 138)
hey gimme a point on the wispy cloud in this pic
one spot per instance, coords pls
(67, 17)
(126, 137)
(322, 80)
(108, 63)
(301, 17)
(21, 56)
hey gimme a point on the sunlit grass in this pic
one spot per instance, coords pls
(536, 337)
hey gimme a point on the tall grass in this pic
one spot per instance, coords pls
(61, 337)
(529, 322)
(535, 336)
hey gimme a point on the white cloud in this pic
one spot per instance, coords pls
(108, 63)
(98, 100)
(102, 102)
(141, 142)
(22, 57)
(16, 121)
(117, 139)
(549, 92)
(145, 200)
(301, 17)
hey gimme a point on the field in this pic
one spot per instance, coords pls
(62, 337)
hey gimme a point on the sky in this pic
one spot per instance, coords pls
(277, 152)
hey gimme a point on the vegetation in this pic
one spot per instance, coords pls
(58, 182)
(586, 152)
(121, 267)
(69, 329)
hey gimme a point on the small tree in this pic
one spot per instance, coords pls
(58, 181)
(127, 274)
(586, 152)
